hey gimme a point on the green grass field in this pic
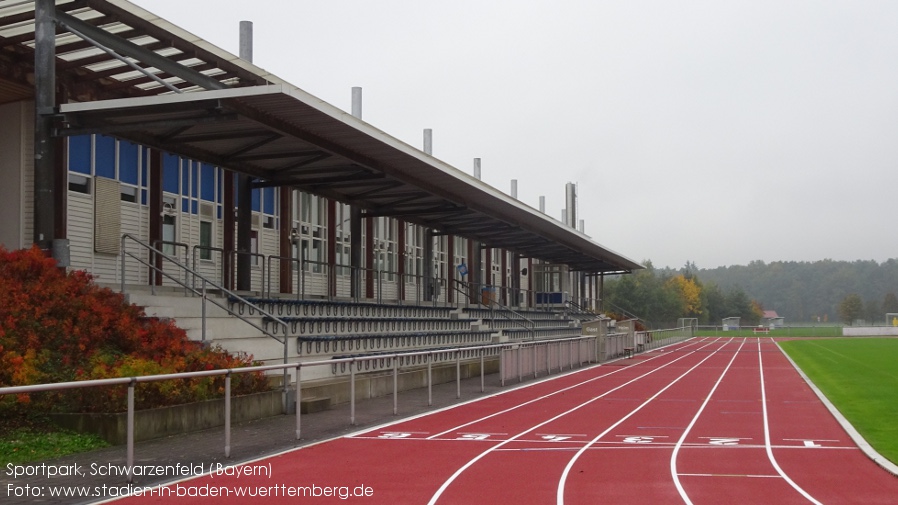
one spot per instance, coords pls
(860, 377)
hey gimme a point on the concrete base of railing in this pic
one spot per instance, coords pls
(174, 420)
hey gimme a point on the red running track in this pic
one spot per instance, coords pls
(707, 421)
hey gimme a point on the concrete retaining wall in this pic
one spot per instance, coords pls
(165, 421)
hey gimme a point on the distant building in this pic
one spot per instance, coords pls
(772, 319)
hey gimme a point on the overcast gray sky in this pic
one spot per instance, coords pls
(718, 132)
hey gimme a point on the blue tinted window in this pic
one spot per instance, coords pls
(127, 162)
(105, 156)
(170, 173)
(194, 173)
(145, 167)
(256, 193)
(79, 154)
(208, 183)
(185, 177)
(269, 201)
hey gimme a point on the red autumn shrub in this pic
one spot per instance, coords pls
(58, 327)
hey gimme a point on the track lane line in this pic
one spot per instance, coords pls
(543, 397)
(673, 457)
(767, 445)
(559, 497)
(480, 456)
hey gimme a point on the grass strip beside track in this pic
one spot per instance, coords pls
(860, 378)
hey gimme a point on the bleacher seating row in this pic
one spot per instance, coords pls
(299, 325)
(502, 323)
(442, 354)
(323, 308)
(555, 332)
(484, 313)
(326, 344)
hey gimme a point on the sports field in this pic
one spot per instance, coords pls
(859, 376)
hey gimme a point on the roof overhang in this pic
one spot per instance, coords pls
(284, 136)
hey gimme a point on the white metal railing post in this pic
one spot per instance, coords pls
(298, 399)
(533, 350)
(430, 379)
(130, 430)
(352, 392)
(457, 374)
(482, 353)
(502, 366)
(395, 385)
(227, 415)
(204, 309)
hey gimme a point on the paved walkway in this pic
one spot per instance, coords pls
(248, 441)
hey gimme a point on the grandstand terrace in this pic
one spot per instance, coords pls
(258, 216)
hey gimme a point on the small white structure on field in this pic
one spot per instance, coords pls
(731, 323)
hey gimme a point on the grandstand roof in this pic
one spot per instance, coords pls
(194, 99)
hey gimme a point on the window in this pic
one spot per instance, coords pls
(254, 246)
(129, 194)
(205, 240)
(79, 184)
(168, 235)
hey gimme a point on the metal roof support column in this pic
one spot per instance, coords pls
(515, 279)
(428, 234)
(244, 189)
(155, 233)
(45, 107)
(285, 207)
(450, 268)
(428, 265)
(601, 293)
(355, 220)
(355, 251)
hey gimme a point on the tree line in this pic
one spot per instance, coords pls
(801, 292)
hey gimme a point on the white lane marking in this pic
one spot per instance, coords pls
(767, 434)
(480, 456)
(559, 495)
(673, 456)
(528, 402)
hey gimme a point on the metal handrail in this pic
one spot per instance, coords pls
(188, 288)
(531, 328)
(224, 260)
(156, 244)
(131, 382)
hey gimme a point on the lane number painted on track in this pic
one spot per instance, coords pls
(474, 436)
(724, 441)
(638, 440)
(555, 438)
(395, 435)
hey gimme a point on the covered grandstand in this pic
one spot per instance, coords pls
(149, 157)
